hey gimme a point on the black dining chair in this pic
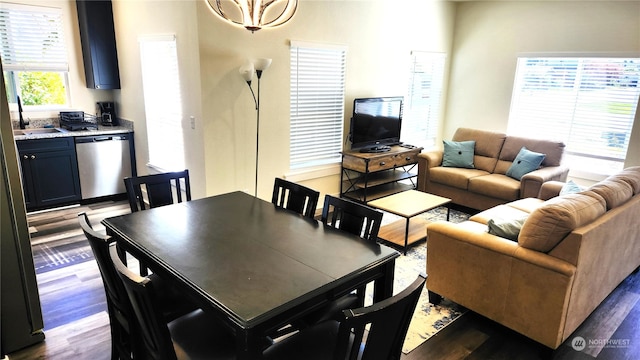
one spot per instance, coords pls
(387, 321)
(295, 197)
(357, 219)
(125, 341)
(352, 217)
(196, 335)
(158, 188)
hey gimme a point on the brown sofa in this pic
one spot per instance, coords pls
(486, 185)
(570, 253)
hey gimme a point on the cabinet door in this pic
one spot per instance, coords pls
(27, 183)
(55, 177)
(98, 40)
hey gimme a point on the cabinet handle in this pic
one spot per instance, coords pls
(382, 163)
(26, 157)
(408, 158)
(33, 157)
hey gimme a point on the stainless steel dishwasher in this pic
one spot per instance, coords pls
(103, 162)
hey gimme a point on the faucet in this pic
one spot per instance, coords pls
(23, 124)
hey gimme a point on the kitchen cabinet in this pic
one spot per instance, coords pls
(98, 44)
(369, 176)
(49, 172)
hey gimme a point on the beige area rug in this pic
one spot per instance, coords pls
(427, 319)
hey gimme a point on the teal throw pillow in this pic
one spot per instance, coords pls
(507, 228)
(525, 162)
(570, 187)
(458, 154)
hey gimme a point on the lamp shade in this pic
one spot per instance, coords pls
(262, 64)
(247, 71)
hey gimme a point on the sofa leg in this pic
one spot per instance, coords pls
(434, 298)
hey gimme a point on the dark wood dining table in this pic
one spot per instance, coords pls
(256, 267)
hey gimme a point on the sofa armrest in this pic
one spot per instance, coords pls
(550, 189)
(427, 160)
(531, 183)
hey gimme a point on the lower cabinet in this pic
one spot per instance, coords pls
(49, 172)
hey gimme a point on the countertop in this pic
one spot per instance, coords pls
(102, 130)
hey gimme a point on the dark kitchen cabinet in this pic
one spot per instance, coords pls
(49, 172)
(98, 44)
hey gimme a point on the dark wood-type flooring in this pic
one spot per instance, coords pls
(77, 326)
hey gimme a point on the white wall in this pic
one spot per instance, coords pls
(379, 35)
(490, 35)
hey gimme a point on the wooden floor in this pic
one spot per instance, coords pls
(73, 300)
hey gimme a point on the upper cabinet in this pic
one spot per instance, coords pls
(98, 44)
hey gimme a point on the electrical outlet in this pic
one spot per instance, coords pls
(192, 120)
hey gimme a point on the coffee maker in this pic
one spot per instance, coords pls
(107, 113)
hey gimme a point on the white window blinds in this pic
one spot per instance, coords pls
(317, 104)
(421, 113)
(32, 38)
(589, 103)
(162, 102)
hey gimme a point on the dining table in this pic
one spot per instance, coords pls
(254, 266)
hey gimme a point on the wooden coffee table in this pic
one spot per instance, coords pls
(407, 204)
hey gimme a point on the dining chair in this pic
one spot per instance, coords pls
(196, 335)
(157, 189)
(352, 217)
(375, 332)
(357, 219)
(124, 329)
(295, 197)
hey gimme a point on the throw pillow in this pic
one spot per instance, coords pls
(525, 162)
(507, 228)
(458, 154)
(570, 187)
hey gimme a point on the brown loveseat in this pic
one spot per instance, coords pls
(570, 253)
(487, 184)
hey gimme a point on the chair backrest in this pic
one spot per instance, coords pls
(159, 189)
(295, 197)
(154, 332)
(352, 217)
(388, 322)
(123, 332)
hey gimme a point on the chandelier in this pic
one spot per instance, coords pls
(254, 15)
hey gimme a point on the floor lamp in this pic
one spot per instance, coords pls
(257, 67)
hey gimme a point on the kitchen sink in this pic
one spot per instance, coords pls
(36, 131)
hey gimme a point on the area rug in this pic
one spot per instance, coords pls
(427, 319)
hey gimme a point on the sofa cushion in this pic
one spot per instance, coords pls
(549, 224)
(508, 228)
(456, 177)
(488, 145)
(495, 185)
(504, 211)
(629, 175)
(525, 162)
(458, 154)
(553, 151)
(570, 187)
(615, 193)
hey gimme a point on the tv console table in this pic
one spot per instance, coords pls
(369, 176)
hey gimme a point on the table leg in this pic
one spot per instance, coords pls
(448, 211)
(248, 347)
(383, 287)
(406, 236)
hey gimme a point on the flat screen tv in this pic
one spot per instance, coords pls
(376, 121)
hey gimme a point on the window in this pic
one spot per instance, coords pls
(34, 57)
(317, 104)
(589, 103)
(421, 113)
(162, 102)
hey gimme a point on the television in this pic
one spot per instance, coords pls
(376, 122)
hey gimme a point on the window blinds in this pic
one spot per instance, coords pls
(589, 103)
(317, 104)
(32, 38)
(421, 113)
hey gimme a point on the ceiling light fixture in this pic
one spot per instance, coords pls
(254, 15)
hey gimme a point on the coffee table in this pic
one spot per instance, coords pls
(407, 204)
